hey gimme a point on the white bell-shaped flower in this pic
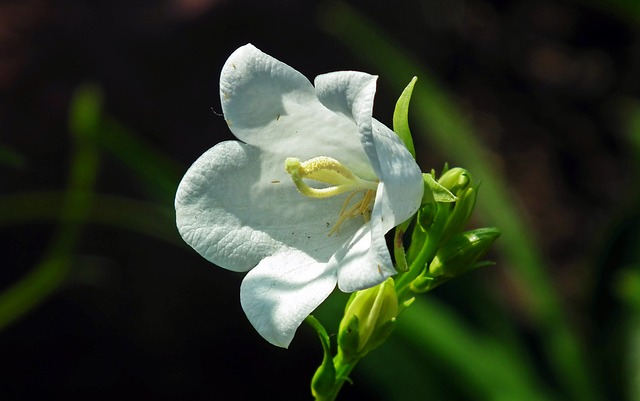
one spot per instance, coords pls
(305, 197)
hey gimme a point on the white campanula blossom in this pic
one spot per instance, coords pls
(303, 199)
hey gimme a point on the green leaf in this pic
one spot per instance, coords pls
(153, 219)
(401, 117)
(158, 173)
(39, 283)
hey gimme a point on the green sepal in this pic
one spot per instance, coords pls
(435, 192)
(380, 336)
(425, 283)
(401, 117)
(349, 339)
(404, 305)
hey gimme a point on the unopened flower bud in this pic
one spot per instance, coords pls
(461, 212)
(456, 215)
(462, 252)
(456, 179)
(368, 320)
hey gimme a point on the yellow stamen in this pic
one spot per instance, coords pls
(361, 208)
(340, 179)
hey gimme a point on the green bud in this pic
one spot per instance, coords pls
(451, 218)
(368, 320)
(456, 179)
(461, 213)
(462, 252)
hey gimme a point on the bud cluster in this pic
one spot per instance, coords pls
(452, 251)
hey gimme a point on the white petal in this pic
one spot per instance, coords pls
(271, 105)
(359, 264)
(252, 89)
(279, 293)
(209, 205)
(340, 91)
(380, 216)
(352, 93)
(401, 176)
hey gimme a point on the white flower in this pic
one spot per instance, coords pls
(304, 201)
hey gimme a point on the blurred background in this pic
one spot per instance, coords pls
(105, 104)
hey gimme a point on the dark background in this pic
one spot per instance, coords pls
(548, 85)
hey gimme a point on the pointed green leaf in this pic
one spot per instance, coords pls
(401, 117)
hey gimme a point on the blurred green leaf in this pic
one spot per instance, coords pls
(624, 9)
(627, 287)
(39, 283)
(156, 171)
(631, 116)
(633, 360)
(493, 370)
(154, 220)
(32, 289)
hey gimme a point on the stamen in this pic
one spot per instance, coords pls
(361, 208)
(330, 171)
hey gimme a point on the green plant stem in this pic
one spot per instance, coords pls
(425, 255)
(343, 370)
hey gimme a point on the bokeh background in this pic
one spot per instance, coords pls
(105, 104)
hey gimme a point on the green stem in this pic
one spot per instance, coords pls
(427, 252)
(343, 370)
(428, 249)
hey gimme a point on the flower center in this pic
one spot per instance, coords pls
(339, 180)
